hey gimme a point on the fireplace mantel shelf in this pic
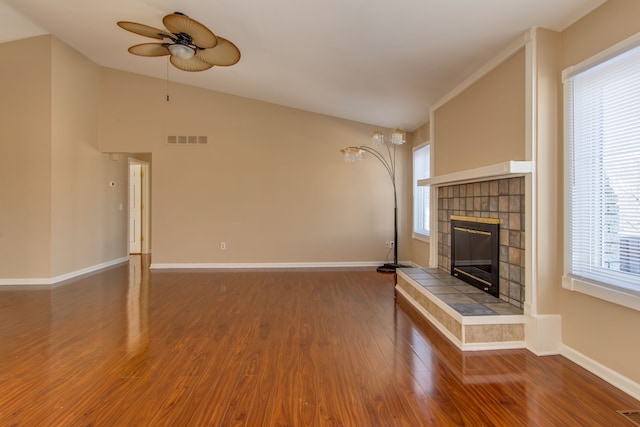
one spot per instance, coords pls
(511, 168)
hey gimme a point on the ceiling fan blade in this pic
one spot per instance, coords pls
(149, 49)
(224, 54)
(144, 30)
(192, 64)
(202, 36)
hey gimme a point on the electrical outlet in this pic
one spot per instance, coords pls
(223, 246)
(389, 244)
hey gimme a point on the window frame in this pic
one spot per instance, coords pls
(623, 296)
(419, 234)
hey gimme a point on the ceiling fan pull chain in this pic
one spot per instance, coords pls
(167, 79)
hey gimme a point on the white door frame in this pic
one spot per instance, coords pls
(145, 203)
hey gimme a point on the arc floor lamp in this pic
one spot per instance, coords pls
(388, 160)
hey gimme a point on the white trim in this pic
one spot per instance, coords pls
(63, 277)
(421, 145)
(509, 168)
(433, 241)
(498, 345)
(26, 282)
(422, 237)
(267, 265)
(543, 334)
(531, 95)
(615, 295)
(609, 375)
(602, 56)
(531, 185)
(506, 319)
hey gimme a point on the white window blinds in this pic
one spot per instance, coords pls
(421, 194)
(603, 182)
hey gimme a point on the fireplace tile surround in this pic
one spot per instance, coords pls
(502, 199)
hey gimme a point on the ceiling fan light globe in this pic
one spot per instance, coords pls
(181, 51)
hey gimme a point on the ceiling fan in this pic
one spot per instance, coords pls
(192, 46)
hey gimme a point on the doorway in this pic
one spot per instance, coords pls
(139, 212)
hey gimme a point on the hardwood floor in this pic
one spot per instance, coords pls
(129, 347)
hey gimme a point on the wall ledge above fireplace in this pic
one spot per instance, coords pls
(508, 169)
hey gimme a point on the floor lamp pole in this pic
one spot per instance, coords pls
(391, 267)
(389, 162)
(395, 235)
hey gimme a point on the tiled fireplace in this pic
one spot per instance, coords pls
(502, 199)
(469, 313)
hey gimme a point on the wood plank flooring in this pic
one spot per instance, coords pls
(129, 347)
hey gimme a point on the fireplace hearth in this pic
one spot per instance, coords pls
(475, 252)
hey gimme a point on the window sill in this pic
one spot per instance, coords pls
(421, 237)
(619, 296)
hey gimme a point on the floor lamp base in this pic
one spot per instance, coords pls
(390, 267)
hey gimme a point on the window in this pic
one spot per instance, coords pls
(421, 194)
(602, 99)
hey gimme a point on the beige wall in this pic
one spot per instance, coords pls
(548, 233)
(87, 221)
(59, 215)
(602, 331)
(25, 158)
(271, 183)
(419, 249)
(483, 125)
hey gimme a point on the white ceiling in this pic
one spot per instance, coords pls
(380, 62)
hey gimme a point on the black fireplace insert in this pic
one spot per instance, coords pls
(475, 252)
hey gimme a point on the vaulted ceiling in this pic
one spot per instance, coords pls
(380, 62)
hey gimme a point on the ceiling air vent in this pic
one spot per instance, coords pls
(186, 140)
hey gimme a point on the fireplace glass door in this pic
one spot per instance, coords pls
(475, 252)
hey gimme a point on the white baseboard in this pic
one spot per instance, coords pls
(54, 280)
(543, 334)
(614, 378)
(265, 265)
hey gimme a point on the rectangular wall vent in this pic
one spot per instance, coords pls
(632, 415)
(187, 140)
